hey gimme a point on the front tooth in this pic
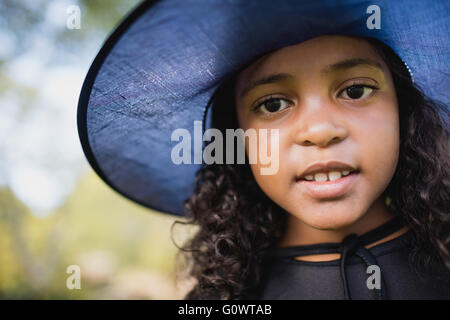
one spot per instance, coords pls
(309, 177)
(345, 173)
(320, 177)
(334, 175)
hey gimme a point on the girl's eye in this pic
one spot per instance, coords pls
(357, 92)
(272, 105)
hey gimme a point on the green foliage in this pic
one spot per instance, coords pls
(122, 249)
(108, 236)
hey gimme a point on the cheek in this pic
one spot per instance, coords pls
(377, 134)
(274, 186)
(275, 182)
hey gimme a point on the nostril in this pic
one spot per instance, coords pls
(335, 139)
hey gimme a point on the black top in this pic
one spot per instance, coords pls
(350, 276)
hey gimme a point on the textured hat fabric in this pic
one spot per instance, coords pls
(158, 70)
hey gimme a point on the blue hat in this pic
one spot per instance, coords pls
(158, 70)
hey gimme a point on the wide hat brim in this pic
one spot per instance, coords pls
(158, 70)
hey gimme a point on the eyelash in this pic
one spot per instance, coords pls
(269, 98)
(358, 84)
(257, 108)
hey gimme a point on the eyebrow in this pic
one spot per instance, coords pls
(338, 66)
(267, 80)
(350, 63)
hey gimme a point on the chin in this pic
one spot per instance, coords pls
(326, 218)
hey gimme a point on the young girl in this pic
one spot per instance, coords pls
(358, 207)
(349, 110)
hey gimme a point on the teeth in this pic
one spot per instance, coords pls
(330, 176)
(319, 177)
(334, 175)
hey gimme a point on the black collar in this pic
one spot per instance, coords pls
(374, 235)
(351, 245)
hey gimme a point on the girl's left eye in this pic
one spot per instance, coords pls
(357, 91)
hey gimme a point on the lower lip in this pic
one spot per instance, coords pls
(329, 189)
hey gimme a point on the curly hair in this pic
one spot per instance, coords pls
(237, 223)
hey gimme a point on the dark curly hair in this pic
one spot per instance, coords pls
(237, 223)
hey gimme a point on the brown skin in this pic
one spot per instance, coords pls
(319, 121)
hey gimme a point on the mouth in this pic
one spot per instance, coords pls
(326, 176)
(328, 181)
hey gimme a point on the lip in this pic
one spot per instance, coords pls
(329, 189)
(326, 167)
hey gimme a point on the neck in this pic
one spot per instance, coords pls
(299, 233)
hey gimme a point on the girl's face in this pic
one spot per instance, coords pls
(333, 100)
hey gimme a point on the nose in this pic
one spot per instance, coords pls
(320, 125)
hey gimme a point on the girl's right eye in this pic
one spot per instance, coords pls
(272, 105)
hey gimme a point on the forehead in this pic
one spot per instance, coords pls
(308, 57)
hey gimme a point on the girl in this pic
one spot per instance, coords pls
(349, 106)
(358, 208)
(364, 111)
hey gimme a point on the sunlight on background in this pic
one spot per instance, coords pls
(54, 210)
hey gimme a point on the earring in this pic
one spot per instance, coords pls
(388, 201)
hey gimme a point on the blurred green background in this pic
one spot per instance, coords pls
(54, 210)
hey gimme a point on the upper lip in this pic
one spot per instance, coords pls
(326, 167)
